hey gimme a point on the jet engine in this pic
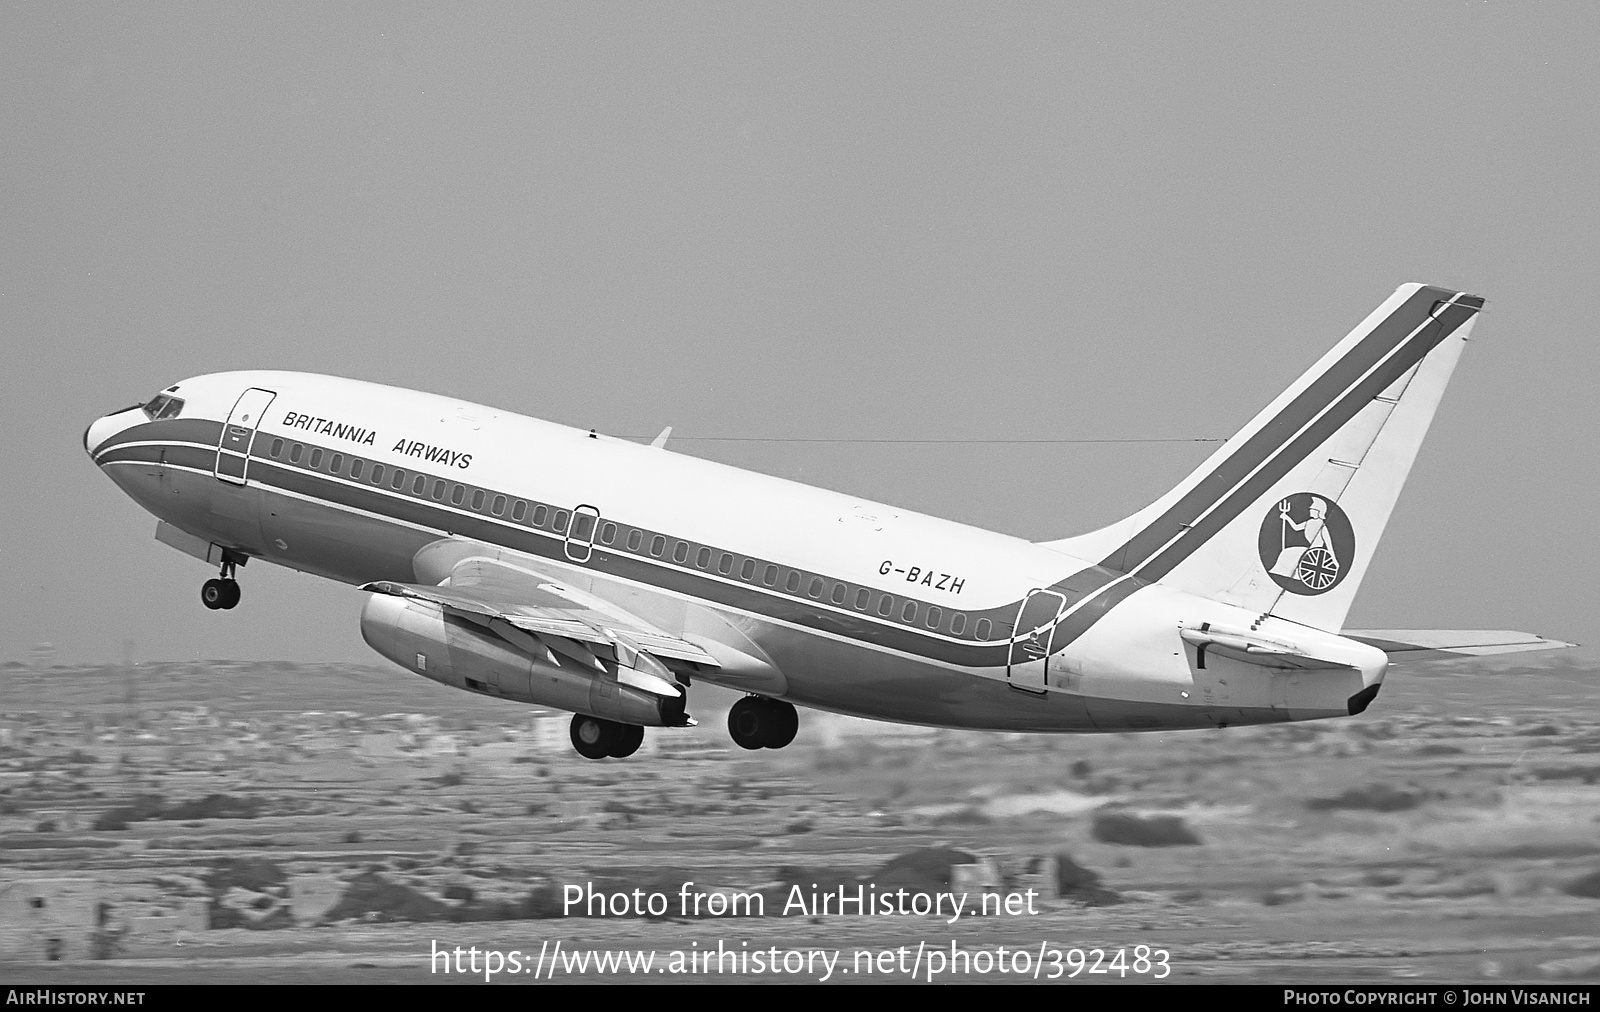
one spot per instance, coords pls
(491, 657)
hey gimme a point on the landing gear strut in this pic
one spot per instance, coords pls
(223, 592)
(600, 739)
(758, 722)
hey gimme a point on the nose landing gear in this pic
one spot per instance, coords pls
(222, 592)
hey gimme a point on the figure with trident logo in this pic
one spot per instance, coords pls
(1313, 564)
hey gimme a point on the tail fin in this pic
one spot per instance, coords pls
(1285, 516)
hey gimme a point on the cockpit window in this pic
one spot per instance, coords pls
(163, 406)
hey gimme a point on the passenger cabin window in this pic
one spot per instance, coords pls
(982, 632)
(498, 507)
(635, 539)
(658, 544)
(539, 515)
(355, 468)
(294, 453)
(792, 584)
(457, 494)
(419, 484)
(747, 572)
(439, 485)
(377, 474)
(583, 527)
(703, 558)
(839, 591)
(771, 577)
(477, 500)
(608, 533)
(909, 614)
(519, 511)
(277, 447)
(681, 552)
(399, 478)
(958, 623)
(336, 463)
(934, 614)
(862, 596)
(815, 590)
(886, 605)
(725, 564)
(316, 458)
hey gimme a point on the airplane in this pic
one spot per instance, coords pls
(542, 564)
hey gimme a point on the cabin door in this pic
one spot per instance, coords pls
(233, 450)
(1031, 637)
(580, 532)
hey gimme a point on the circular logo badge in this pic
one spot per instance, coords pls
(1307, 544)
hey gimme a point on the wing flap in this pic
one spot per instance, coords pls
(565, 620)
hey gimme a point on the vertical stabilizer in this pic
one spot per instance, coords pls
(1285, 516)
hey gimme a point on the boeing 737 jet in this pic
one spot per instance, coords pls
(542, 564)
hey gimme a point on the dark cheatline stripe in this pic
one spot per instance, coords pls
(128, 454)
(807, 613)
(1302, 446)
(1081, 584)
(183, 430)
(1424, 342)
(1092, 592)
(1078, 623)
(1322, 391)
(1076, 588)
(318, 486)
(177, 454)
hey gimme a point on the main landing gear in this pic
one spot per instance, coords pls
(601, 739)
(222, 592)
(758, 722)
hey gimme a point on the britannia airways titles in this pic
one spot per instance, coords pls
(367, 437)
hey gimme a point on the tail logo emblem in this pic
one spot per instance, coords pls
(1307, 544)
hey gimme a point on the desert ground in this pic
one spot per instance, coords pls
(252, 823)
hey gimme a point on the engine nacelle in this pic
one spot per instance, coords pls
(419, 636)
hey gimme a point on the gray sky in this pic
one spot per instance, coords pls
(846, 220)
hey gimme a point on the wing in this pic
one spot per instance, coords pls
(1433, 644)
(551, 615)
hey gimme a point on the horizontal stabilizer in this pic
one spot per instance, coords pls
(1432, 644)
(1253, 648)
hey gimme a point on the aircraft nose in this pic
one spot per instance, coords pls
(100, 430)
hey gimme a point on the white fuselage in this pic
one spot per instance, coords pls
(844, 604)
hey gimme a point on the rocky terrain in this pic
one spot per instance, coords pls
(255, 822)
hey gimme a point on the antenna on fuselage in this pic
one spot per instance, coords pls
(661, 440)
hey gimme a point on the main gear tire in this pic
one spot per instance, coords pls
(628, 741)
(595, 738)
(785, 724)
(749, 723)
